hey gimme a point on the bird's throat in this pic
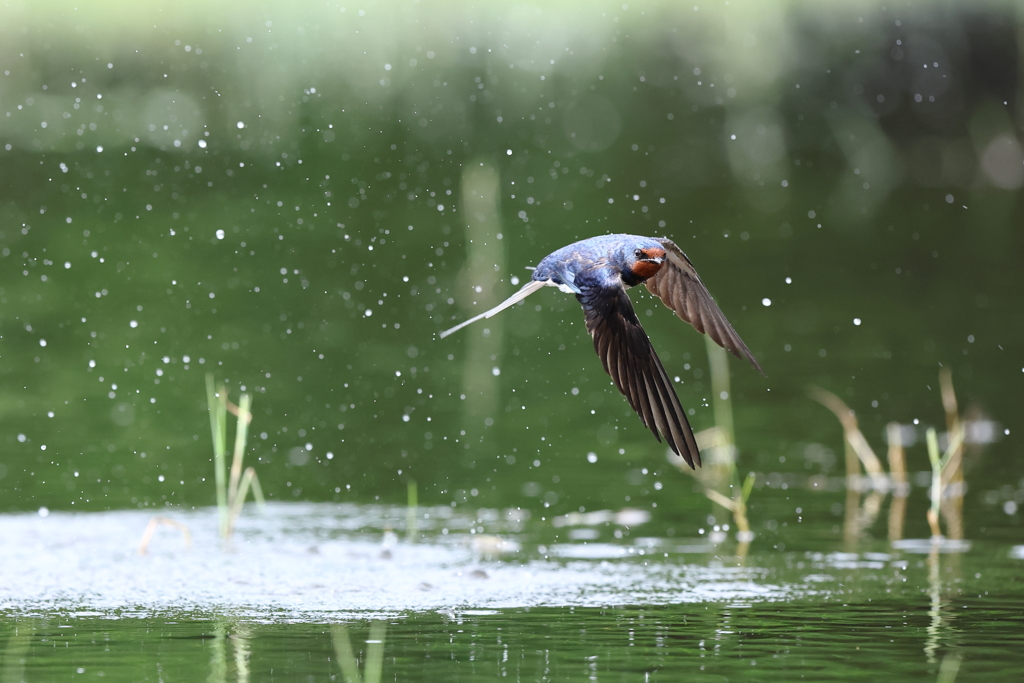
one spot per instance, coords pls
(645, 269)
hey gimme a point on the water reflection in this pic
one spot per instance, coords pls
(16, 649)
(640, 596)
(347, 658)
(480, 289)
(947, 479)
(896, 457)
(719, 475)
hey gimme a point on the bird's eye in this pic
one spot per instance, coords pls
(639, 253)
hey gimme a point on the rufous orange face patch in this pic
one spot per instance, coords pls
(646, 269)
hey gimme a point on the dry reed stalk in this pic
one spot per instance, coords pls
(147, 535)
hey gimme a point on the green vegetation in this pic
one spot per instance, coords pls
(942, 471)
(231, 490)
(947, 468)
(719, 474)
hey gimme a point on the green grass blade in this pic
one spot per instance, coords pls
(718, 366)
(748, 486)
(933, 456)
(257, 490)
(241, 435)
(955, 442)
(217, 429)
(239, 499)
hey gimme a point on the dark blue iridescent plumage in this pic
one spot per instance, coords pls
(598, 271)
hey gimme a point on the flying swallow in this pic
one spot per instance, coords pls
(598, 271)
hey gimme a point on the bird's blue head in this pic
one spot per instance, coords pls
(643, 258)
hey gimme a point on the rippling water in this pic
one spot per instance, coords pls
(486, 593)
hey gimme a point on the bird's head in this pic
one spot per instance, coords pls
(646, 260)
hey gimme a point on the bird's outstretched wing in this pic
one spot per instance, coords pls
(527, 289)
(679, 287)
(629, 357)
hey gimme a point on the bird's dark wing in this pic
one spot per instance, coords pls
(679, 287)
(629, 357)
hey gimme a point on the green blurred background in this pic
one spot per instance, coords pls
(297, 197)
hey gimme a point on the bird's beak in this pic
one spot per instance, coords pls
(654, 255)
